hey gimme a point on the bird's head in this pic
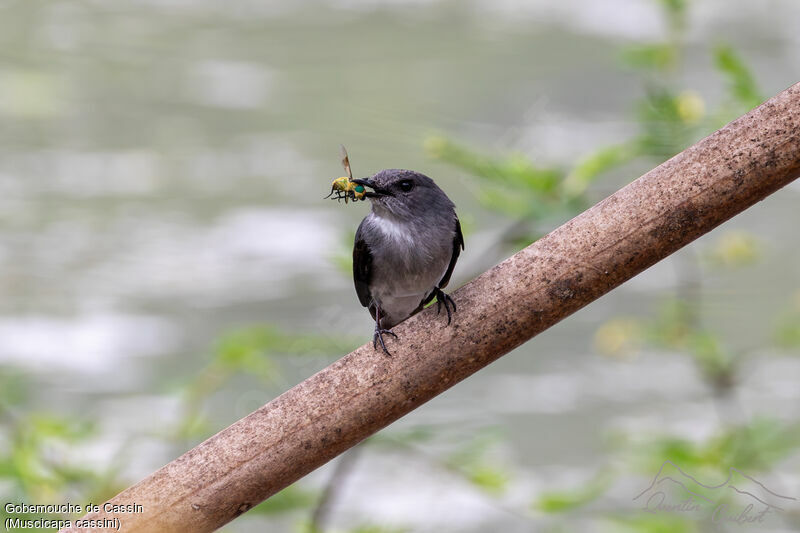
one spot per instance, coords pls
(405, 194)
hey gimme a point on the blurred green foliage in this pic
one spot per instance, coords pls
(742, 88)
(36, 463)
(39, 458)
(473, 461)
(669, 118)
(562, 501)
(651, 523)
(292, 498)
(753, 447)
(251, 352)
(514, 185)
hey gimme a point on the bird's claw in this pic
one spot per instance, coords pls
(444, 298)
(378, 336)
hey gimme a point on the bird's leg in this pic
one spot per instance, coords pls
(379, 331)
(444, 298)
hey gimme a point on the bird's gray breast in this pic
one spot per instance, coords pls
(408, 260)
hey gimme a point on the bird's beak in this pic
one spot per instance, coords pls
(376, 191)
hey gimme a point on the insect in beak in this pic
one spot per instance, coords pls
(376, 191)
(345, 187)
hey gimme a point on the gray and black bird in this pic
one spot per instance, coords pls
(405, 248)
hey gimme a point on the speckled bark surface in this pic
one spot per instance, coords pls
(364, 391)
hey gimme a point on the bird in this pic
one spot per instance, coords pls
(405, 249)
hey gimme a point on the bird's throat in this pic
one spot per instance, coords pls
(393, 229)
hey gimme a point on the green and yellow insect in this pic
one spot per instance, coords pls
(344, 187)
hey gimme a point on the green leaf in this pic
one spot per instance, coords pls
(50, 426)
(758, 445)
(707, 350)
(652, 523)
(658, 56)
(753, 447)
(677, 15)
(471, 461)
(239, 347)
(504, 201)
(248, 350)
(741, 82)
(602, 160)
(489, 478)
(559, 501)
(291, 498)
(516, 170)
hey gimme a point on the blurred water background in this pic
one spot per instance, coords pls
(168, 263)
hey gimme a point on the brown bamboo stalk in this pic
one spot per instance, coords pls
(577, 263)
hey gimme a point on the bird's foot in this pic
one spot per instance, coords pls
(444, 298)
(378, 336)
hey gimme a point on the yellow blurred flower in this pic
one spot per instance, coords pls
(735, 248)
(435, 145)
(691, 106)
(619, 337)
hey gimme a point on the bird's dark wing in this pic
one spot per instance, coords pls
(362, 269)
(458, 245)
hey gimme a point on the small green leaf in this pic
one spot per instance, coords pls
(489, 478)
(602, 160)
(741, 82)
(559, 501)
(289, 499)
(658, 56)
(652, 523)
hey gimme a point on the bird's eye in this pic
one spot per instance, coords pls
(406, 185)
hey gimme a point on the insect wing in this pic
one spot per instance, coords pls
(346, 161)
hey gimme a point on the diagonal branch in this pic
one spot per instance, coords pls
(572, 266)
